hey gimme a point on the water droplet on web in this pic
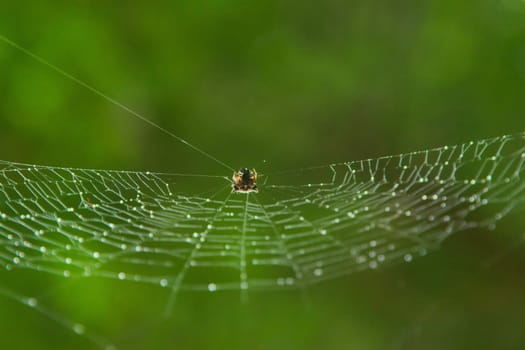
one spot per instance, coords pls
(212, 287)
(79, 328)
(408, 257)
(318, 272)
(121, 275)
(32, 302)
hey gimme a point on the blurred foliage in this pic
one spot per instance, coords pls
(295, 83)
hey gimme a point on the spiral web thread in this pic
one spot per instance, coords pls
(303, 227)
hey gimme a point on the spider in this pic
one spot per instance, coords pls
(244, 181)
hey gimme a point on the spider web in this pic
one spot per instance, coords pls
(348, 217)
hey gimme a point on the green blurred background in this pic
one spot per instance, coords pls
(272, 85)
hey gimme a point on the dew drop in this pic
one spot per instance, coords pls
(78, 328)
(212, 287)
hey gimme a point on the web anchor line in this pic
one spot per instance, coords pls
(77, 328)
(110, 99)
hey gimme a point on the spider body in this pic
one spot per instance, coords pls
(245, 181)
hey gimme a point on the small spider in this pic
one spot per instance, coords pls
(244, 181)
